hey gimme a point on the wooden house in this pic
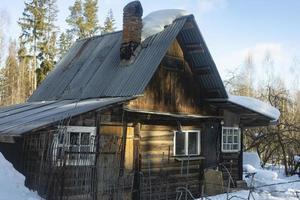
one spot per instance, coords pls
(122, 118)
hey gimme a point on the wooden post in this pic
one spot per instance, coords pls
(240, 163)
(136, 181)
(124, 136)
(97, 154)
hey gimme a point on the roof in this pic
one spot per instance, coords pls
(252, 112)
(21, 118)
(92, 68)
(91, 76)
(256, 106)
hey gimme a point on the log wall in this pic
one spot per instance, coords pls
(161, 171)
(172, 89)
(232, 161)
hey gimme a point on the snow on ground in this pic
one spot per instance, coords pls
(272, 175)
(156, 21)
(12, 183)
(255, 105)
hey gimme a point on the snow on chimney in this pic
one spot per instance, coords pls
(132, 29)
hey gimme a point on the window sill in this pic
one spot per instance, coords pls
(237, 151)
(186, 158)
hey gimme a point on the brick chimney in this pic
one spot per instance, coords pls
(132, 29)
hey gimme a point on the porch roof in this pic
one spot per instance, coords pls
(21, 118)
(252, 112)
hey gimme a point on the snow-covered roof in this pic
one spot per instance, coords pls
(156, 21)
(255, 105)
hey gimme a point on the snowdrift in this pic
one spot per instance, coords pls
(12, 183)
(156, 21)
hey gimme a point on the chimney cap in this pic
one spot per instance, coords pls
(134, 8)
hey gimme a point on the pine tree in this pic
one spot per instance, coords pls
(47, 58)
(65, 42)
(47, 46)
(109, 23)
(39, 36)
(33, 25)
(83, 18)
(91, 20)
(76, 19)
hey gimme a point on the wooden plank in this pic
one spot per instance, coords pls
(158, 162)
(123, 148)
(155, 133)
(150, 128)
(159, 138)
(7, 139)
(149, 147)
(111, 129)
(128, 165)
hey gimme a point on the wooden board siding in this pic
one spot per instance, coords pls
(232, 161)
(158, 164)
(172, 88)
(108, 162)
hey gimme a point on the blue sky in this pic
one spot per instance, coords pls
(232, 29)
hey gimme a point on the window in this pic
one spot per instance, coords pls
(231, 139)
(186, 143)
(74, 145)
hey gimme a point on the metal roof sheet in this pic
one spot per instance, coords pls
(21, 118)
(92, 68)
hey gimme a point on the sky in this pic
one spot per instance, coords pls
(232, 30)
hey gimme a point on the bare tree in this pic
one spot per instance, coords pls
(275, 143)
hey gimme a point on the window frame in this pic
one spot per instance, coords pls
(186, 142)
(66, 145)
(232, 143)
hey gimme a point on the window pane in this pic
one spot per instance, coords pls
(235, 139)
(179, 143)
(85, 139)
(224, 139)
(74, 138)
(229, 139)
(235, 147)
(236, 131)
(226, 146)
(193, 143)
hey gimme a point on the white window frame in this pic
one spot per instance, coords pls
(232, 143)
(186, 142)
(66, 145)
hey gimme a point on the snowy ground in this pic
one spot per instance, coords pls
(12, 183)
(282, 188)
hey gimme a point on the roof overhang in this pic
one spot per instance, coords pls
(19, 119)
(252, 112)
(200, 60)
